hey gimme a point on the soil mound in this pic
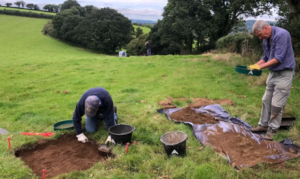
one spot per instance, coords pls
(197, 102)
(189, 115)
(59, 156)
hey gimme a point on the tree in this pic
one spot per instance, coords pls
(162, 43)
(89, 9)
(68, 4)
(22, 3)
(239, 27)
(30, 6)
(48, 7)
(104, 29)
(36, 7)
(204, 21)
(18, 3)
(8, 4)
(55, 8)
(289, 12)
(183, 23)
(228, 13)
(61, 25)
(139, 32)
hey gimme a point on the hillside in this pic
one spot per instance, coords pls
(145, 29)
(42, 79)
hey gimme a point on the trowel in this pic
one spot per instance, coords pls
(47, 134)
(105, 148)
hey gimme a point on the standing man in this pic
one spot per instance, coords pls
(148, 47)
(91, 103)
(279, 59)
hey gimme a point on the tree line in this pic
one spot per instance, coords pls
(47, 7)
(187, 26)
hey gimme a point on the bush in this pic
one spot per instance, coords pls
(49, 30)
(233, 43)
(137, 46)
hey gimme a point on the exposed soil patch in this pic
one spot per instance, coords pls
(167, 104)
(197, 102)
(244, 151)
(224, 101)
(59, 156)
(189, 115)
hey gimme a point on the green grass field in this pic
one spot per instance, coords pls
(25, 10)
(145, 29)
(33, 67)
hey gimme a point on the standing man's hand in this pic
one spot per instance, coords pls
(254, 67)
(82, 138)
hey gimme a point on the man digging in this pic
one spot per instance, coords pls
(93, 102)
(279, 59)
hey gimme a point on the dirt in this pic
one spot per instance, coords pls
(60, 156)
(244, 151)
(197, 102)
(189, 115)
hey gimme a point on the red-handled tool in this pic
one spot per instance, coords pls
(44, 173)
(47, 134)
(8, 140)
(127, 147)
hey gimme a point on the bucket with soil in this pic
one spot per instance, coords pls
(174, 143)
(121, 133)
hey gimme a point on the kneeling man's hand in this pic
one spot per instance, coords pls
(82, 138)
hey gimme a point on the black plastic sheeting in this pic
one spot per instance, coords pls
(286, 149)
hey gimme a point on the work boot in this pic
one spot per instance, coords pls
(270, 134)
(259, 128)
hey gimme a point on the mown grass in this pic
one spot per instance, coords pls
(33, 67)
(26, 10)
(145, 29)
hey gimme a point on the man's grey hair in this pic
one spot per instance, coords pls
(259, 25)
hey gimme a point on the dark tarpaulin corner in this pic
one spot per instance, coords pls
(232, 138)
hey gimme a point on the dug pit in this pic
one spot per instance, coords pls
(59, 156)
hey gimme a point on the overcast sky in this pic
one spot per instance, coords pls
(133, 9)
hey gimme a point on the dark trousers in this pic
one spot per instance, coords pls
(149, 51)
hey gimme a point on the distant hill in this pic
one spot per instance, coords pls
(143, 21)
(249, 24)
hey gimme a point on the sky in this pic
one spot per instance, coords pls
(133, 9)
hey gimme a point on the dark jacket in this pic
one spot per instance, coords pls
(106, 108)
(148, 45)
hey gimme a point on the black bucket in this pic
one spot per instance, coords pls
(121, 133)
(174, 143)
